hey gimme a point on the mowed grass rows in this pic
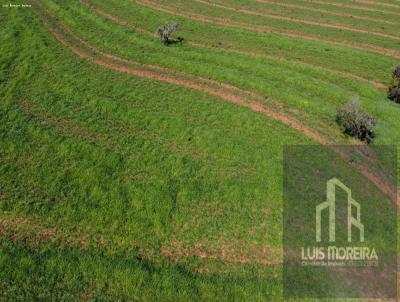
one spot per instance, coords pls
(299, 86)
(139, 189)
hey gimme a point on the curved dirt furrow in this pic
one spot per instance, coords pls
(116, 19)
(227, 253)
(390, 5)
(363, 8)
(324, 11)
(154, 74)
(295, 20)
(148, 66)
(279, 58)
(33, 232)
(255, 106)
(195, 86)
(262, 29)
(125, 23)
(384, 187)
(215, 91)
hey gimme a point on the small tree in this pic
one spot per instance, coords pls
(356, 122)
(394, 88)
(165, 31)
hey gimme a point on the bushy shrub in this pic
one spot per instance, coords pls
(396, 73)
(356, 122)
(394, 88)
(394, 93)
(165, 31)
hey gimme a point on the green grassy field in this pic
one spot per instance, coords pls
(135, 171)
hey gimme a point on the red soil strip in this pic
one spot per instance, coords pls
(325, 11)
(223, 95)
(108, 55)
(228, 253)
(224, 22)
(367, 9)
(21, 228)
(279, 58)
(228, 97)
(191, 85)
(387, 189)
(291, 19)
(154, 67)
(391, 5)
(125, 23)
(116, 19)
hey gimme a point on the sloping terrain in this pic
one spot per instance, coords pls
(131, 170)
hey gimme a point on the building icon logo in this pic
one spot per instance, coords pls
(329, 204)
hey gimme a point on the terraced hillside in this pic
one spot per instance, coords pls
(131, 170)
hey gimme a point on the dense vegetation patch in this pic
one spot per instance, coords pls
(355, 121)
(394, 89)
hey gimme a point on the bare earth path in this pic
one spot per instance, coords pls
(262, 255)
(123, 22)
(390, 5)
(295, 20)
(324, 11)
(363, 8)
(153, 72)
(262, 29)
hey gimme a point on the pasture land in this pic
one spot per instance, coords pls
(135, 171)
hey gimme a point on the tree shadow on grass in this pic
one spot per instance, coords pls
(178, 40)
